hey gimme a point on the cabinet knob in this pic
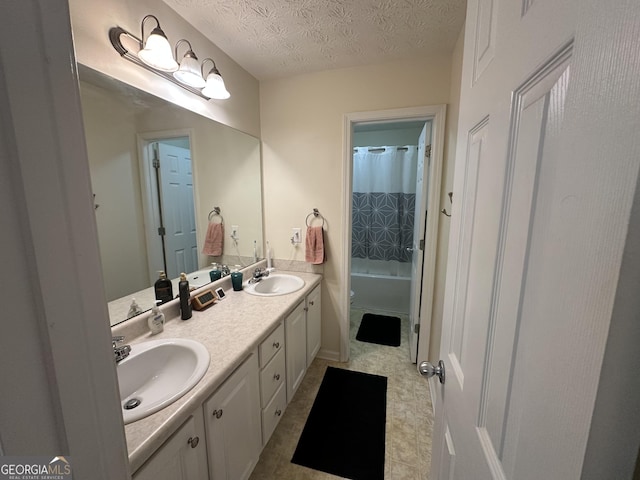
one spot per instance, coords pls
(217, 413)
(311, 303)
(278, 412)
(276, 344)
(305, 309)
(193, 441)
(276, 377)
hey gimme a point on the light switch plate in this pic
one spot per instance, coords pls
(234, 232)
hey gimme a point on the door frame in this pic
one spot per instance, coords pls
(149, 192)
(437, 115)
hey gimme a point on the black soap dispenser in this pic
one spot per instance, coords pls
(185, 297)
(163, 288)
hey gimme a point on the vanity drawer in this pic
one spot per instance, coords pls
(272, 413)
(271, 377)
(272, 345)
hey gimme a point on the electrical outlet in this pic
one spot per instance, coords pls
(297, 236)
(234, 232)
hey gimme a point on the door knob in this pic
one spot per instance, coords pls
(429, 370)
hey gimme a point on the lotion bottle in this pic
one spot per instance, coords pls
(215, 274)
(185, 297)
(156, 319)
(236, 278)
(163, 288)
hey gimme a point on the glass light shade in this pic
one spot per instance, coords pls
(215, 87)
(189, 72)
(157, 52)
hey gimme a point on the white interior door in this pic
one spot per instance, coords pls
(417, 254)
(176, 186)
(543, 193)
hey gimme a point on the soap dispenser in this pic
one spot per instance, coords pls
(134, 309)
(163, 288)
(156, 319)
(215, 274)
(185, 297)
(236, 278)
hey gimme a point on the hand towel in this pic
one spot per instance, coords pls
(314, 252)
(214, 239)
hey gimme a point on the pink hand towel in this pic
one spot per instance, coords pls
(314, 252)
(214, 239)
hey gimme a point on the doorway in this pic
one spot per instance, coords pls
(390, 255)
(168, 202)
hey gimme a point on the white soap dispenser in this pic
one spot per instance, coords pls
(134, 309)
(156, 319)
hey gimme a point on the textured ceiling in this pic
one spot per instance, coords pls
(279, 38)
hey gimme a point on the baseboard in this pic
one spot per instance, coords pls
(329, 355)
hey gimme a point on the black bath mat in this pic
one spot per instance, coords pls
(379, 329)
(345, 431)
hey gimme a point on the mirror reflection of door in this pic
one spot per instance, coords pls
(177, 226)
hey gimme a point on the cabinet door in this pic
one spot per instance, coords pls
(314, 328)
(182, 457)
(296, 348)
(232, 422)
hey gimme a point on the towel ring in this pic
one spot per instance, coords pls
(315, 214)
(214, 212)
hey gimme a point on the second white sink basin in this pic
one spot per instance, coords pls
(157, 373)
(275, 284)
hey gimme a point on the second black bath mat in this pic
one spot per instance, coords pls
(345, 431)
(380, 329)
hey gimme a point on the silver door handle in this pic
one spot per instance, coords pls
(429, 370)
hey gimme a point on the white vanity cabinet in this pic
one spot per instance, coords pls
(273, 392)
(296, 348)
(182, 457)
(232, 423)
(314, 328)
(303, 337)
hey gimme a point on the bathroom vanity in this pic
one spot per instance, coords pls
(260, 348)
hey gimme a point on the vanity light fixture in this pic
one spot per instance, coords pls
(155, 55)
(189, 71)
(156, 51)
(215, 87)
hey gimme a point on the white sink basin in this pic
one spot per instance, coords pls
(157, 373)
(275, 284)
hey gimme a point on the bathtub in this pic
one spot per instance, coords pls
(381, 292)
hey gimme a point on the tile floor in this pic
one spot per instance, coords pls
(409, 413)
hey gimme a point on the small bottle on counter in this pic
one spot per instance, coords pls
(236, 278)
(185, 297)
(134, 309)
(163, 288)
(156, 319)
(215, 274)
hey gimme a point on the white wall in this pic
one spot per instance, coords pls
(91, 21)
(447, 186)
(302, 120)
(393, 136)
(110, 131)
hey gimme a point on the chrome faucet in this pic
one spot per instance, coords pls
(259, 274)
(120, 351)
(225, 270)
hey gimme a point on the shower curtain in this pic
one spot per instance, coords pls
(384, 194)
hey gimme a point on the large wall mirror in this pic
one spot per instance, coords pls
(160, 175)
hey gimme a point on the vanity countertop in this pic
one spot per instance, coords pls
(231, 329)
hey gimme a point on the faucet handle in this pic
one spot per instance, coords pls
(117, 339)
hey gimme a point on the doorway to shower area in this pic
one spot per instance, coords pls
(389, 190)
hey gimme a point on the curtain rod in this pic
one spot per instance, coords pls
(382, 149)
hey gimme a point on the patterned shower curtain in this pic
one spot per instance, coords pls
(384, 195)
